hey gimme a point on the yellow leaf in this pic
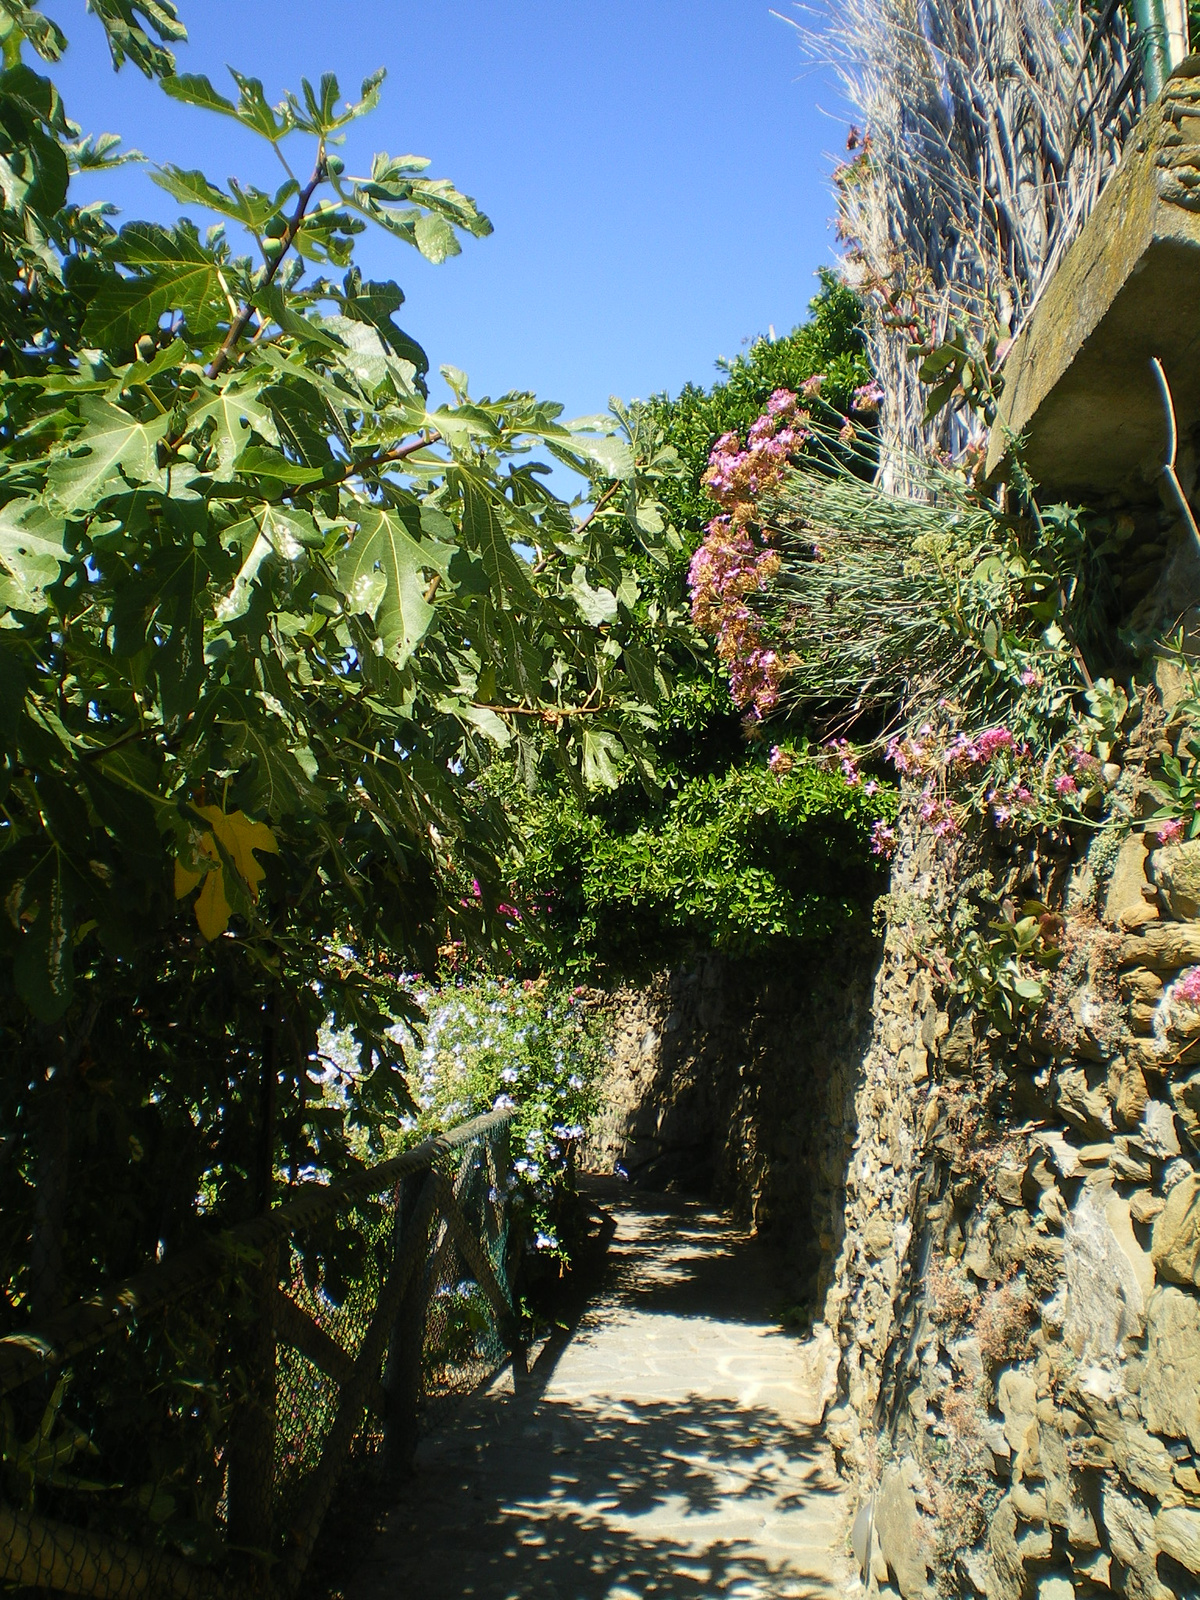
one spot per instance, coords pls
(212, 908)
(239, 837)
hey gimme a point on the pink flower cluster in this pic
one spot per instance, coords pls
(736, 476)
(780, 761)
(1187, 988)
(883, 840)
(934, 811)
(733, 562)
(1168, 832)
(868, 397)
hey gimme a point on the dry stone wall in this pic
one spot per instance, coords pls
(1015, 1300)
(736, 1079)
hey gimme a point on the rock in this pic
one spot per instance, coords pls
(1128, 1092)
(1098, 1568)
(1127, 1164)
(1141, 1016)
(877, 1238)
(1145, 1461)
(1128, 878)
(1176, 1242)
(1144, 1206)
(1174, 1172)
(1130, 1528)
(1177, 1531)
(967, 1358)
(1139, 983)
(1134, 917)
(1117, 1214)
(1104, 1284)
(1162, 946)
(1008, 1179)
(898, 1526)
(1186, 1096)
(1016, 1400)
(1176, 871)
(820, 1358)
(1007, 1564)
(1085, 1107)
(1170, 1390)
(1064, 1156)
(1156, 1132)
(1055, 1589)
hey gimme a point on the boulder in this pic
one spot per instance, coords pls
(1170, 1387)
(1177, 1531)
(1176, 1240)
(1176, 869)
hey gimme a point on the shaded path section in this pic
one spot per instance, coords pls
(662, 1450)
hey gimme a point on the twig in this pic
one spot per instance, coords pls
(242, 321)
(1169, 472)
(598, 507)
(546, 713)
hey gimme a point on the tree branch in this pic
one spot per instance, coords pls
(242, 321)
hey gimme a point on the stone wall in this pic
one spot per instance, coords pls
(1015, 1298)
(736, 1079)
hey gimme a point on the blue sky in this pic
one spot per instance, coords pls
(656, 170)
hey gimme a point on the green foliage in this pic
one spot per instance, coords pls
(1000, 970)
(265, 614)
(724, 854)
(883, 599)
(1177, 783)
(745, 861)
(829, 343)
(492, 1042)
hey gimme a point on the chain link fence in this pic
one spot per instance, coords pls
(183, 1437)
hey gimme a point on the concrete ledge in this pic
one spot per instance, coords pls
(1078, 382)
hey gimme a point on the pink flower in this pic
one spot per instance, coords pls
(1168, 832)
(1065, 784)
(1032, 678)
(1187, 988)
(811, 387)
(883, 839)
(782, 403)
(780, 761)
(992, 740)
(867, 397)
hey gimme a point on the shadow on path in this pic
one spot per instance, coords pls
(661, 1449)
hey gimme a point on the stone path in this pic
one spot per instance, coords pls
(663, 1450)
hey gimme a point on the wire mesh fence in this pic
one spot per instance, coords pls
(184, 1435)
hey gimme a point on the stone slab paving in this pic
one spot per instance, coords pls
(666, 1449)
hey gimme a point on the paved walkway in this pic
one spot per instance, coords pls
(662, 1451)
